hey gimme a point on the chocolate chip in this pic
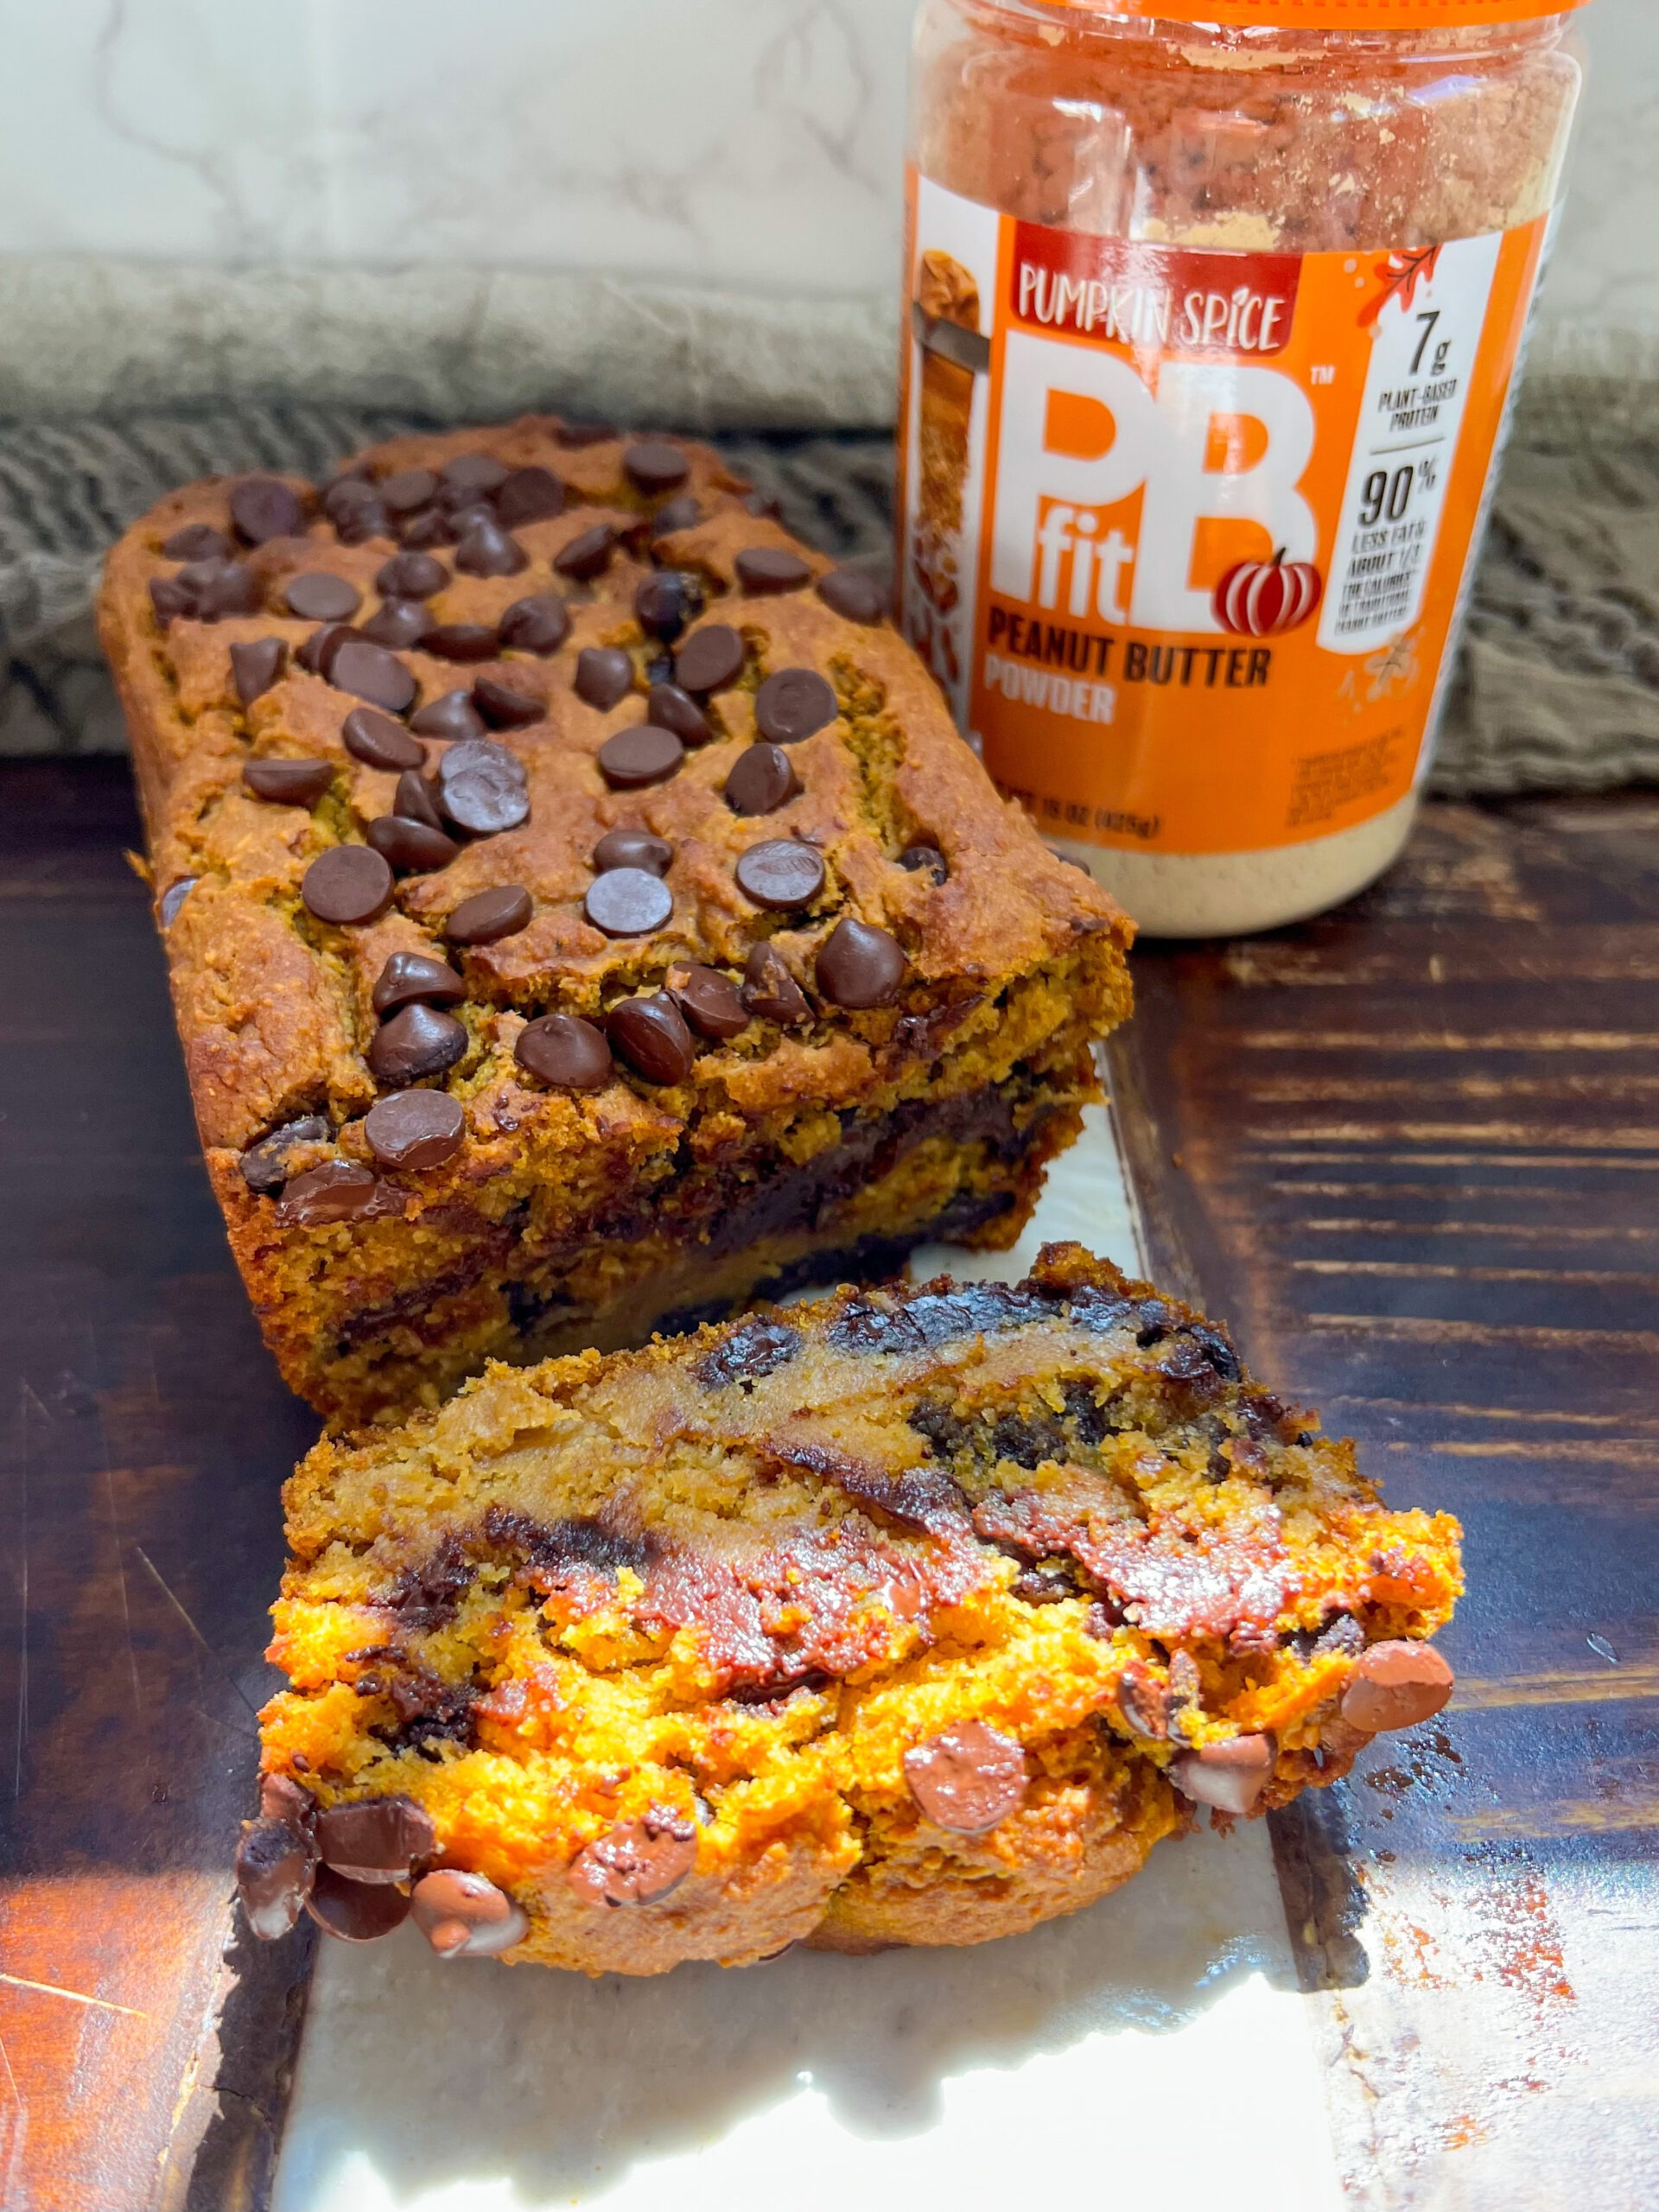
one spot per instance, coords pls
(540, 625)
(266, 1166)
(275, 1866)
(173, 898)
(762, 779)
(356, 1912)
(487, 550)
(967, 1778)
(289, 783)
(588, 556)
(413, 800)
(465, 1915)
(771, 567)
(321, 596)
(414, 1129)
(762, 506)
(503, 708)
(481, 788)
(659, 669)
(710, 658)
(473, 475)
(530, 495)
(636, 1861)
(354, 508)
(924, 859)
(682, 513)
(771, 991)
(348, 883)
(710, 1002)
(170, 600)
(575, 434)
(197, 541)
(564, 1050)
(379, 742)
(1229, 1777)
(628, 902)
(409, 489)
(669, 707)
(410, 576)
(255, 666)
(642, 755)
(461, 641)
(416, 1043)
(626, 848)
(1395, 1684)
(853, 595)
(859, 966)
(654, 466)
(281, 1798)
(369, 672)
(793, 704)
(349, 489)
(410, 975)
(318, 651)
(781, 873)
(337, 1191)
(261, 508)
(426, 527)
(604, 676)
(451, 716)
(1142, 1700)
(652, 1036)
(749, 1353)
(490, 915)
(665, 603)
(207, 590)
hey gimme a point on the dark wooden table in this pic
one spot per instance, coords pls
(1411, 1150)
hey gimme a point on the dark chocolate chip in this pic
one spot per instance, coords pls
(771, 991)
(628, 902)
(1395, 1684)
(565, 1051)
(860, 966)
(682, 513)
(849, 593)
(710, 658)
(281, 1798)
(414, 1129)
(369, 672)
(173, 898)
(410, 576)
(348, 883)
(349, 489)
(265, 1166)
(771, 567)
(170, 600)
(451, 716)
(487, 550)
(462, 641)
(207, 590)
(376, 1839)
(337, 1191)
(289, 783)
(652, 1036)
(573, 436)
(426, 527)
(503, 708)
(626, 848)
(654, 466)
(924, 859)
(356, 1912)
(413, 800)
(967, 1778)
(636, 1861)
(762, 779)
(416, 1043)
(197, 541)
(379, 742)
(487, 916)
(604, 676)
(1141, 1698)
(410, 975)
(659, 669)
(321, 596)
(588, 556)
(481, 788)
(781, 873)
(275, 1866)
(465, 1915)
(255, 666)
(669, 707)
(762, 506)
(472, 476)
(753, 1348)
(539, 624)
(399, 623)
(357, 525)
(408, 491)
(530, 495)
(665, 603)
(642, 755)
(710, 1002)
(261, 508)
(1230, 1777)
(793, 704)
(317, 653)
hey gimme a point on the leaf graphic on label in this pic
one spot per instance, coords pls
(1399, 277)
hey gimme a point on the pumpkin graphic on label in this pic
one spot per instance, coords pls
(1263, 599)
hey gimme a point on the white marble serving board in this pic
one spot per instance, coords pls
(1153, 2048)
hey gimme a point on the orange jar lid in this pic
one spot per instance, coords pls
(1331, 15)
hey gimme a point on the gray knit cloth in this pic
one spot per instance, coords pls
(1557, 688)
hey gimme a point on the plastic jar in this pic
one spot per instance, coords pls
(1213, 330)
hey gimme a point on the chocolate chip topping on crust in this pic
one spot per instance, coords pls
(356, 1912)
(413, 800)
(378, 1839)
(710, 658)
(588, 556)
(1396, 1685)
(488, 550)
(852, 595)
(771, 991)
(461, 641)
(266, 1166)
(924, 859)
(481, 788)
(529, 495)
(670, 707)
(465, 1915)
(793, 704)
(1229, 1777)
(628, 902)
(410, 576)
(261, 509)
(348, 884)
(860, 966)
(416, 1043)
(781, 873)
(275, 1866)
(451, 716)
(654, 466)
(338, 1191)
(604, 676)
(563, 1049)
(626, 848)
(197, 541)
(538, 624)
(637, 1862)
(642, 755)
(762, 569)
(289, 783)
(321, 596)
(256, 665)
(650, 1034)
(711, 1002)
(400, 622)
(371, 673)
(408, 976)
(967, 1778)
(378, 741)
(414, 1129)
(488, 916)
(762, 779)
(414, 848)
(503, 708)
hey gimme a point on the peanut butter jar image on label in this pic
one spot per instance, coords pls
(1214, 315)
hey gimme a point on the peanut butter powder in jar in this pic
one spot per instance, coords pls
(1215, 315)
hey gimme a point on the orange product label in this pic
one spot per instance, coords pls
(1186, 532)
